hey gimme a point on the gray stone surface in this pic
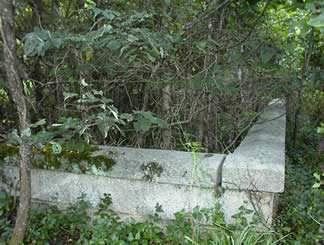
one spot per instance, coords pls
(177, 166)
(132, 197)
(258, 163)
(179, 186)
(262, 204)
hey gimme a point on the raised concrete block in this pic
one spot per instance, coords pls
(254, 174)
(263, 204)
(131, 192)
(177, 166)
(258, 164)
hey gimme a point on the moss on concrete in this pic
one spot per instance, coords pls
(8, 150)
(74, 157)
(151, 170)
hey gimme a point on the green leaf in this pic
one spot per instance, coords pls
(127, 117)
(114, 111)
(56, 148)
(132, 38)
(267, 53)
(138, 236)
(97, 92)
(83, 83)
(146, 114)
(43, 136)
(114, 45)
(317, 21)
(320, 130)
(147, 118)
(96, 12)
(13, 137)
(317, 185)
(142, 125)
(161, 123)
(130, 237)
(26, 132)
(3, 196)
(39, 123)
(317, 176)
(132, 58)
(106, 100)
(108, 15)
(310, 6)
(56, 42)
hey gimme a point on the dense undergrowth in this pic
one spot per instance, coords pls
(301, 213)
(74, 226)
(301, 210)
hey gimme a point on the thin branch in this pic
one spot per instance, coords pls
(241, 132)
(213, 10)
(256, 22)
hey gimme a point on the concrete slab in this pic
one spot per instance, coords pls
(262, 204)
(176, 166)
(258, 164)
(180, 184)
(136, 198)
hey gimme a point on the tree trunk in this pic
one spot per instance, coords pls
(14, 84)
(36, 73)
(201, 122)
(55, 10)
(140, 136)
(166, 107)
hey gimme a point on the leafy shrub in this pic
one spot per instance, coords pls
(55, 227)
(301, 207)
(7, 216)
(74, 226)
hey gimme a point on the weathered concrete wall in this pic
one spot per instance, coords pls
(174, 189)
(176, 166)
(250, 177)
(255, 172)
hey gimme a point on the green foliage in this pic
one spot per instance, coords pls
(317, 20)
(53, 226)
(130, 50)
(96, 111)
(74, 226)
(301, 207)
(7, 215)
(7, 151)
(320, 129)
(39, 41)
(144, 120)
(74, 157)
(319, 178)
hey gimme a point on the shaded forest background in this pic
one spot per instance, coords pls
(162, 73)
